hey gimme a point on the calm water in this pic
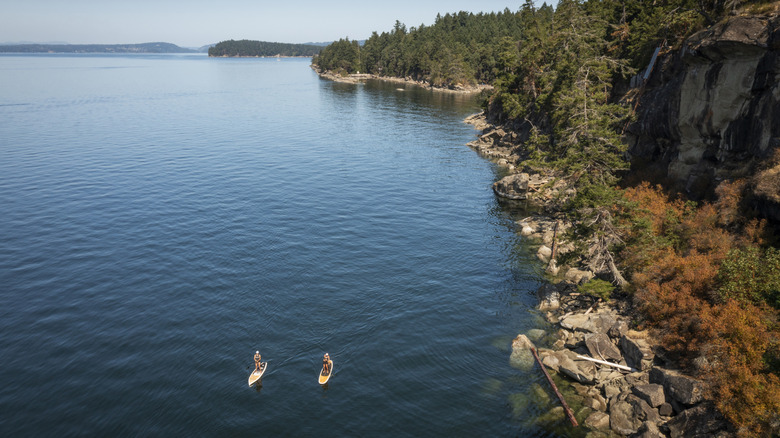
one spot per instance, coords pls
(165, 216)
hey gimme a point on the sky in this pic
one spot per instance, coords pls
(195, 23)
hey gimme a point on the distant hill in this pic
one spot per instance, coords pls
(251, 48)
(95, 48)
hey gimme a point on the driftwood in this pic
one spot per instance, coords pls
(604, 362)
(566, 407)
(552, 267)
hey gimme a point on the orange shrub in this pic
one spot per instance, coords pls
(677, 251)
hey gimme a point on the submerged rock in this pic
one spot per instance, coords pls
(521, 357)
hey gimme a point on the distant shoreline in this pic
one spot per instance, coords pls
(95, 48)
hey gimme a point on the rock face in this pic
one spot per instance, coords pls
(710, 110)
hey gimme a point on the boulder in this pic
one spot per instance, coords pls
(618, 329)
(666, 410)
(652, 393)
(552, 362)
(596, 402)
(513, 186)
(601, 347)
(597, 420)
(549, 297)
(644, 410)
(593, 323)
(701, 421)
(521, 357)
(580, 371)
(544, 253)
(679, 387)
(649, 430)
(535, 334)
(638, 352)
(577, 276)
(623, 418)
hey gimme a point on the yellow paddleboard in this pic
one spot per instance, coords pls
(325, 377)
(257, 374)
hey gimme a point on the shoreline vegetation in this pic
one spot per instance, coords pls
(260, 49)
(684, 292)
(356, 78)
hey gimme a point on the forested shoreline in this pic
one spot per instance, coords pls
(251, 48)
(703, 275)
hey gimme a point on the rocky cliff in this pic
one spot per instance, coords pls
(711, 111)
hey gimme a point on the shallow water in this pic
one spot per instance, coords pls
(165, 216)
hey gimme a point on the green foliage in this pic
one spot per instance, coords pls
(341, 56)
(261, 48)
(458, 49)
(751, 275)
(597, 288)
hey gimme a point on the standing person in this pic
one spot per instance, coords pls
(257, 360)
(326, 364)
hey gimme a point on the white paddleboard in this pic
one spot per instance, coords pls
(257, 374)
(325, 377)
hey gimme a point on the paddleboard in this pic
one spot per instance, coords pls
(257, 374)
(325, 377)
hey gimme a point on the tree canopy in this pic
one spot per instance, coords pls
(261, 48)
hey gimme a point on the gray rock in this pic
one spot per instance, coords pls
(577, 276)
(552, 362)
(535, 334)
(638, 353)
(701, 421)
(679, 387)
(596, 402)
(544, 253)
(623, 419)
(649, 430)
(652, 393)
(597, 420)
(611, 391)
(526, 230)
(593, 323)
(665, 410)
(514, 186)
(549, 297)
(644, 410)
(580, 371)
(601, 347)
(521, 357)
(618, 329)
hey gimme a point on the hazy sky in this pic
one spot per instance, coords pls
(195, 23)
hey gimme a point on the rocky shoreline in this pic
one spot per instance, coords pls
(361, 77)
(632, 390)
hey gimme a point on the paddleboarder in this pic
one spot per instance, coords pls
(326, 364)
(257, 360)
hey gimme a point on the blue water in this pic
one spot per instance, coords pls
(165, 216)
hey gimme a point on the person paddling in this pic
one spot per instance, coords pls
(326, 364)
(257, 360)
